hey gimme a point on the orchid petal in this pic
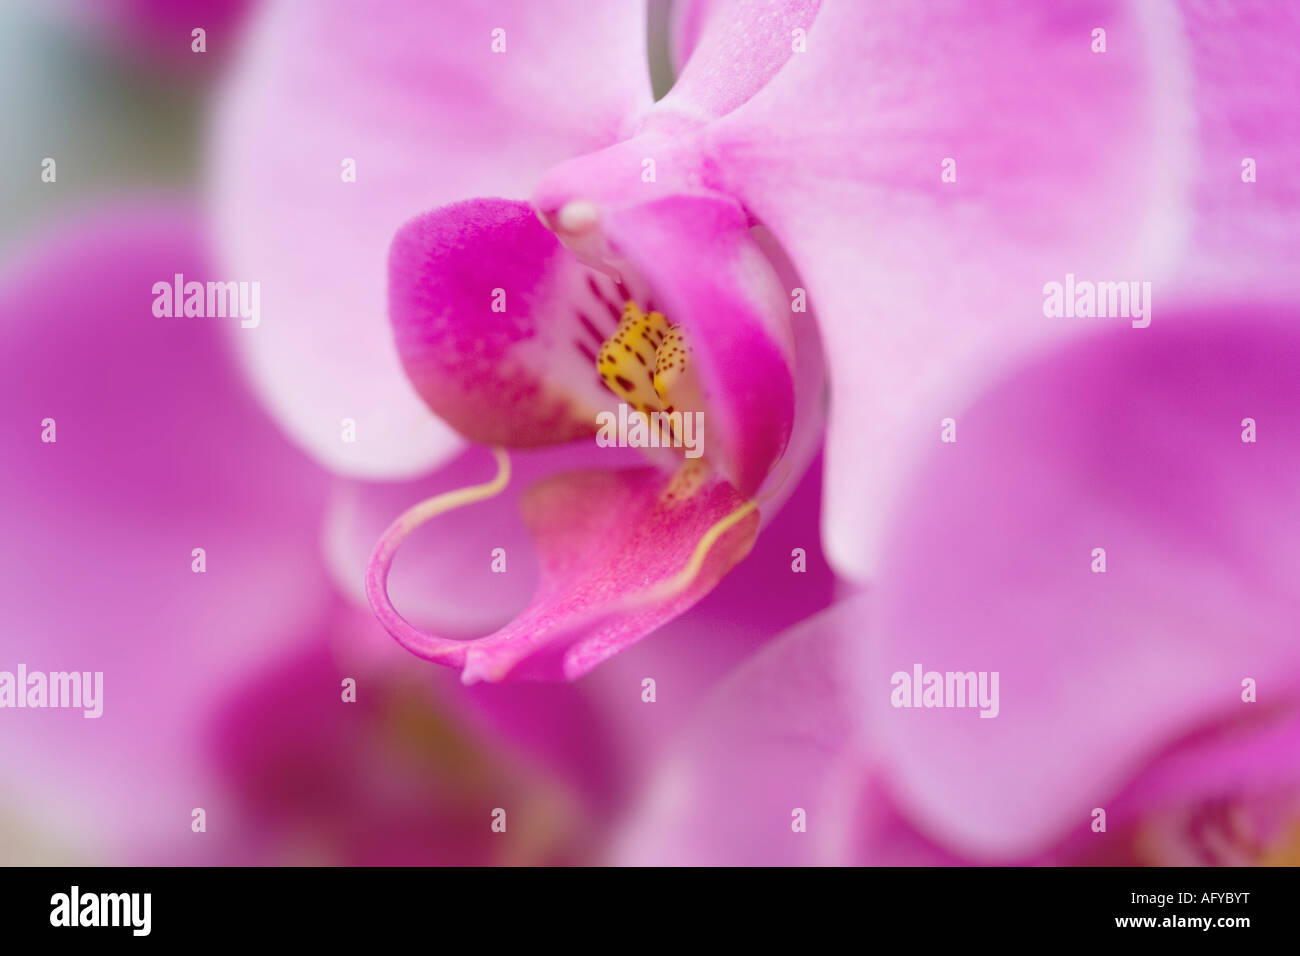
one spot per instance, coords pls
(773, 746)
(1243, 231)
(498, 325)
(726, 50)
(764, 744)
(1131, 444)
(1243, 775)
(713, 280)
(323, 84)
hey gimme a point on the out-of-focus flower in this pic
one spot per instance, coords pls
(103, 519)
(1164, 691)
(395, 778)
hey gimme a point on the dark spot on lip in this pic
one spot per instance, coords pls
(623, 383)
(599, 294)
(591, 329)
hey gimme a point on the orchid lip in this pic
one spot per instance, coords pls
(478, 657)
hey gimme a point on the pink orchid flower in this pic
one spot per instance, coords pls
(1147, 707)
(903, 169)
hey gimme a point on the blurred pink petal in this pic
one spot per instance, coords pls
(1227, 794)
(414, 93)
(765, 744)
(158, 452)
(1131, 443)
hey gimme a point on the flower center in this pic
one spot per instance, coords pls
(647, 363)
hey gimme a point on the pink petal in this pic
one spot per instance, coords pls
(710, 277)
(158, 452)
(414, 94)
(1131, 443)
(1260, 755)
(1234, 776)
(808, 427)
(765, 743)
(1244, 235)
(611, 544)
(498, 325)
(726, 50)
(777, 736)
(920, 283)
